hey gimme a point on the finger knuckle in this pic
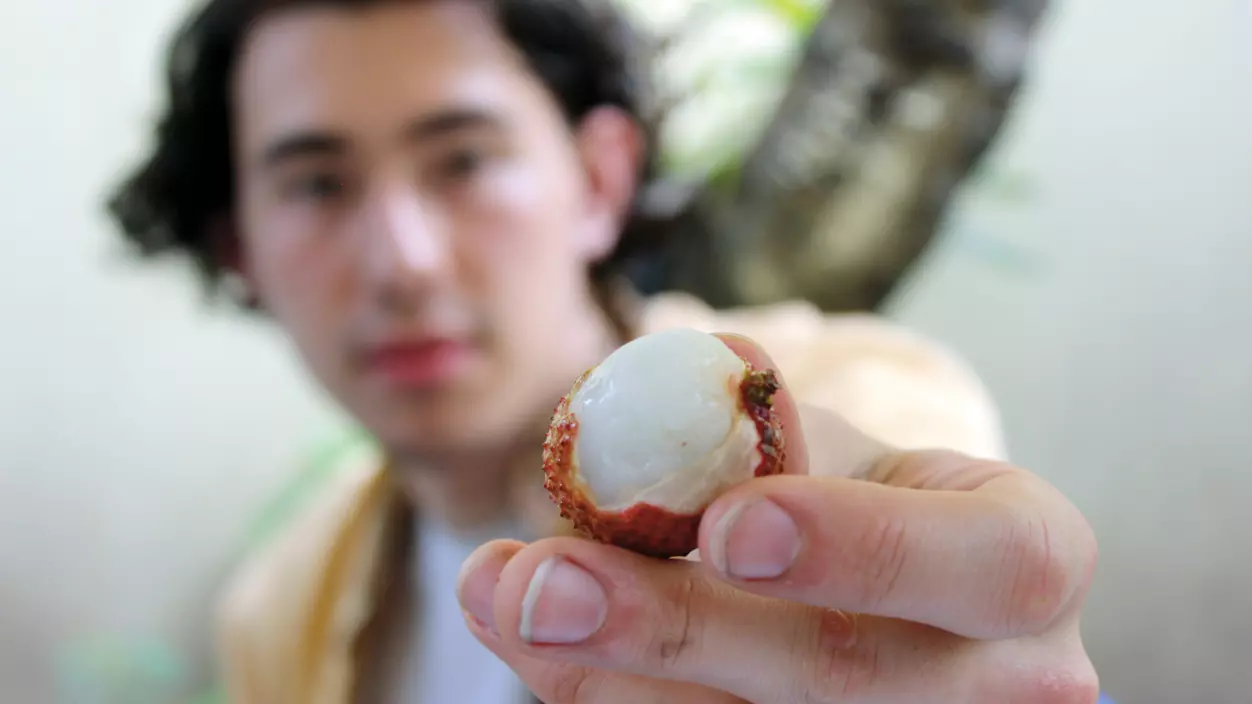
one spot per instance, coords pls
(1069, 685)
(880, 556)
(845, 668)
(569, 685)
(672, 638)
(1073, 682)
(1042, 581)
(1087, 549)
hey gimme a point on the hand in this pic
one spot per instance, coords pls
(863, 574)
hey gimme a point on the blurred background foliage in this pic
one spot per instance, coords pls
(812, 148)
(722, 69)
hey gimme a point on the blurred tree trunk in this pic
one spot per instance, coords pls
(892, 104)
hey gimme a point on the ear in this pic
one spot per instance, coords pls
(229, 254)
(611, 145)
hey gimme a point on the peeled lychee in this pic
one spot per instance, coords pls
(645, 441)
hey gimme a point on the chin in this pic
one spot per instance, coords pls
(438, 426)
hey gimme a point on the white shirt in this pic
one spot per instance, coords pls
(444, 663)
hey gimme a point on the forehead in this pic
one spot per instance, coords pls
(370, 70)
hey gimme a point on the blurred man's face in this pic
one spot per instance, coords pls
(419, 217)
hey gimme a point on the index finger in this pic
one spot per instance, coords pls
(796, 459)
(1004, 560)
(809, 431)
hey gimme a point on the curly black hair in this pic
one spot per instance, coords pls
(587, 55)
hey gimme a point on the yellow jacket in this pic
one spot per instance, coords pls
(291, 622)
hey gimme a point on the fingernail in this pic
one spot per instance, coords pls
(564, 604)
(476, 588)
(755, 540)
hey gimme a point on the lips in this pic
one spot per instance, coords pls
(419, 364)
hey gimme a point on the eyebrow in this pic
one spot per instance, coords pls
(307, 143)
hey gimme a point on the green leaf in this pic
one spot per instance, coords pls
(799, 15)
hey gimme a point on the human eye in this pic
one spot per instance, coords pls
(462, 164)
(317, 186)
(314, 186)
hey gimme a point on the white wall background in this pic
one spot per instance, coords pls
(1123, 357)
(139, 429)
(1111, 313)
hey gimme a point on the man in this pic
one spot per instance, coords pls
(432, 198)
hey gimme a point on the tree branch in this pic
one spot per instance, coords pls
(891, 106)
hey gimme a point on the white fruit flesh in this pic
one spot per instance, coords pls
(659, 422)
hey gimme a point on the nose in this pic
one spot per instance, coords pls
(406, 242)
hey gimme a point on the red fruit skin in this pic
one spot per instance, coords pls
(644, 528)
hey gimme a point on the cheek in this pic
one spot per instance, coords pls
(524, 238)
(299, 279)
